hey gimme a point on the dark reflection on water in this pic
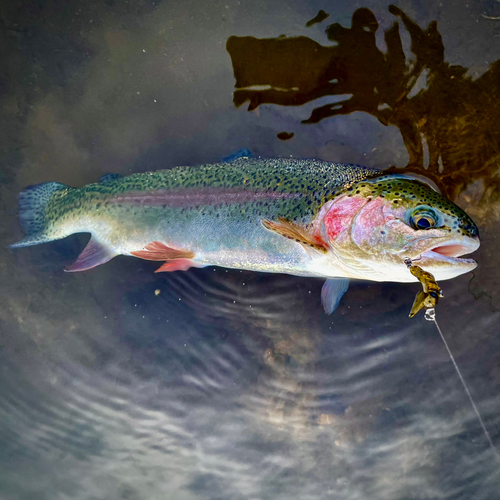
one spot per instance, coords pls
(453, 115)
(121, 383)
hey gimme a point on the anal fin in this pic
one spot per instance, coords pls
(294, 232)
(331, 293)
(93, 255)
(176, 260)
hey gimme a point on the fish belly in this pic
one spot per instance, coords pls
(220, 237)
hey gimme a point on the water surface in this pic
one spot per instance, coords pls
(221, 384)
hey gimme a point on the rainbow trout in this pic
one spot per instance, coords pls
(300, 217)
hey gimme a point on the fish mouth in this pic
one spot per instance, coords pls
(451, 252)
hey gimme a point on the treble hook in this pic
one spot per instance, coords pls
(429, 296)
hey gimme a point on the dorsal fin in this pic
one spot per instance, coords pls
(241, 153)
(109, 177)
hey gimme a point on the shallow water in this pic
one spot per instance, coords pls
(229, 384)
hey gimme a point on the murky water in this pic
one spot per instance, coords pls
(121, 383)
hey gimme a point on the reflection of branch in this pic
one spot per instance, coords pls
(457, 116)
(343, 108)
(412, 80)
(283, 97)
(491, 17)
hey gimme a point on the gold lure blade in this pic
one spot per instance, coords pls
(418, 303)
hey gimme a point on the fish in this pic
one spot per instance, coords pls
(303, 217)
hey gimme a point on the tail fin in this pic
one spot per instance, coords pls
(33, 203)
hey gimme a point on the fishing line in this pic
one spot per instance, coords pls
(428, 299)
(430, 315)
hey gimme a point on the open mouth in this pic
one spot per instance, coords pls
(451, 253)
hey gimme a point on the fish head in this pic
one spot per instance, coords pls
(375, 224)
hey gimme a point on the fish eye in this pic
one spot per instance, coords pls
(423, 217)
(434, 295)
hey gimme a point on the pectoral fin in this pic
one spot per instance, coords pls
(332, 292)
(294, 232)
(176, 260)
(94, 254)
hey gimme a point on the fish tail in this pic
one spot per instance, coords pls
(33, 217)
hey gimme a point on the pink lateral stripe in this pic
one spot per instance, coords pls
(189, 197)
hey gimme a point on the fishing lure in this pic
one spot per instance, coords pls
(427, 298)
